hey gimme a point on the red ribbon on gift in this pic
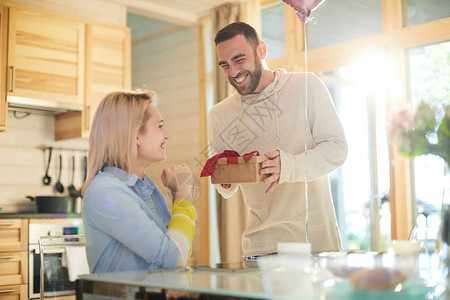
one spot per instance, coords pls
(232, 158)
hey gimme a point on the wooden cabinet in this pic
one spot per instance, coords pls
(13, 259)
(3, 65)
(108, 68)
(45, 56)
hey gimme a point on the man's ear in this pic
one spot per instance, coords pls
(262, 50)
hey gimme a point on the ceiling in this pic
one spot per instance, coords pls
(179, 12)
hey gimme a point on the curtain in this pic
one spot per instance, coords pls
(232, 213)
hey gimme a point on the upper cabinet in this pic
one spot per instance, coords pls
(53, 60)
(108, 68)
(45, 56)
(3, 65)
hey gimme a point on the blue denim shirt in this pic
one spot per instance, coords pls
(125, 221)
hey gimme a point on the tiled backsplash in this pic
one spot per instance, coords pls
(23, 162)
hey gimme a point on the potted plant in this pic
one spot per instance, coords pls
(426, 131)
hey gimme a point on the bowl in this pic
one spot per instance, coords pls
(372, 271)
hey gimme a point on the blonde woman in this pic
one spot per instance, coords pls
(127, 222)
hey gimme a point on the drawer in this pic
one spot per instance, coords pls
(13, 292)
(13, 268)
(13, 235)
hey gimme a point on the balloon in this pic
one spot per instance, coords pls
(304, 7)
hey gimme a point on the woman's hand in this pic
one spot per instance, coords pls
(179, 180)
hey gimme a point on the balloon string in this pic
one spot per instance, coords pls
(306, 131)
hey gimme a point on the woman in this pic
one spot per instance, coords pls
(126, 218)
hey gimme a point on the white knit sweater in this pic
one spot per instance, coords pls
(275, 120)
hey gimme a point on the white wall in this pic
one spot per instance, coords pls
(22, 162)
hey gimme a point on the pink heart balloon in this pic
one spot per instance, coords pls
(304, 7)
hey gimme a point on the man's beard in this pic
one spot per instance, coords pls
(254, 77)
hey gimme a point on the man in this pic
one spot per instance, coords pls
(267, 113)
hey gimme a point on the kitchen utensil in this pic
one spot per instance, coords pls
(58, 185)
(52, 204)
(47, 179)
(84, 161)
(73, 192)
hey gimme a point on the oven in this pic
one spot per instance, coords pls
(50, 227)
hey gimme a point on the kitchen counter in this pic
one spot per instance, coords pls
(38, 216)
(236, 285)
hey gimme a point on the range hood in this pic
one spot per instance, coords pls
(39, 106)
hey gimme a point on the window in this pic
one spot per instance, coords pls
(419, 11)
(342, 20)
(361, 186)
(429, 74)
(339, 35)
(272, 22)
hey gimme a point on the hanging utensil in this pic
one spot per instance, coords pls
(58, 185)
(73, 192)
(47, 179)
(84, 173)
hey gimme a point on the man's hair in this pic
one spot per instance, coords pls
(236, 28)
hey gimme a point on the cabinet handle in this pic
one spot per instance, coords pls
(6, 291)
(6, 257)
(12, 79)
(6, 224)
(87, 117)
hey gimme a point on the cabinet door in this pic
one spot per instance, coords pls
(45, 56)
(108, 68)
(14, 292)
(13, 235)
(3, 65)
(13, 268)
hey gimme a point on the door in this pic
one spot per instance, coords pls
(56, 275)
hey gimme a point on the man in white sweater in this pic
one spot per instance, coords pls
(267, 114)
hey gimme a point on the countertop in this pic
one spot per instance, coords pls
(38, 215)
(247, 285)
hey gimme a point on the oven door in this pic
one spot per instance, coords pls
(56, 277)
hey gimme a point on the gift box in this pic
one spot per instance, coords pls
(229, 167)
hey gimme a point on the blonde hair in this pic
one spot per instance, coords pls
(119, 118)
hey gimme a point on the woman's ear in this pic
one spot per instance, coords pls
(138, 142)
(262, 50)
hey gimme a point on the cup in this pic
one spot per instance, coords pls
(287, 273)
(294, 248)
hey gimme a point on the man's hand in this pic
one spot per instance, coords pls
(271, 166)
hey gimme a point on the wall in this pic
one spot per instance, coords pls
(166, 61)
(22, 163)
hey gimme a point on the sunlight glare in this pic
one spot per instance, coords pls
(372, 72)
